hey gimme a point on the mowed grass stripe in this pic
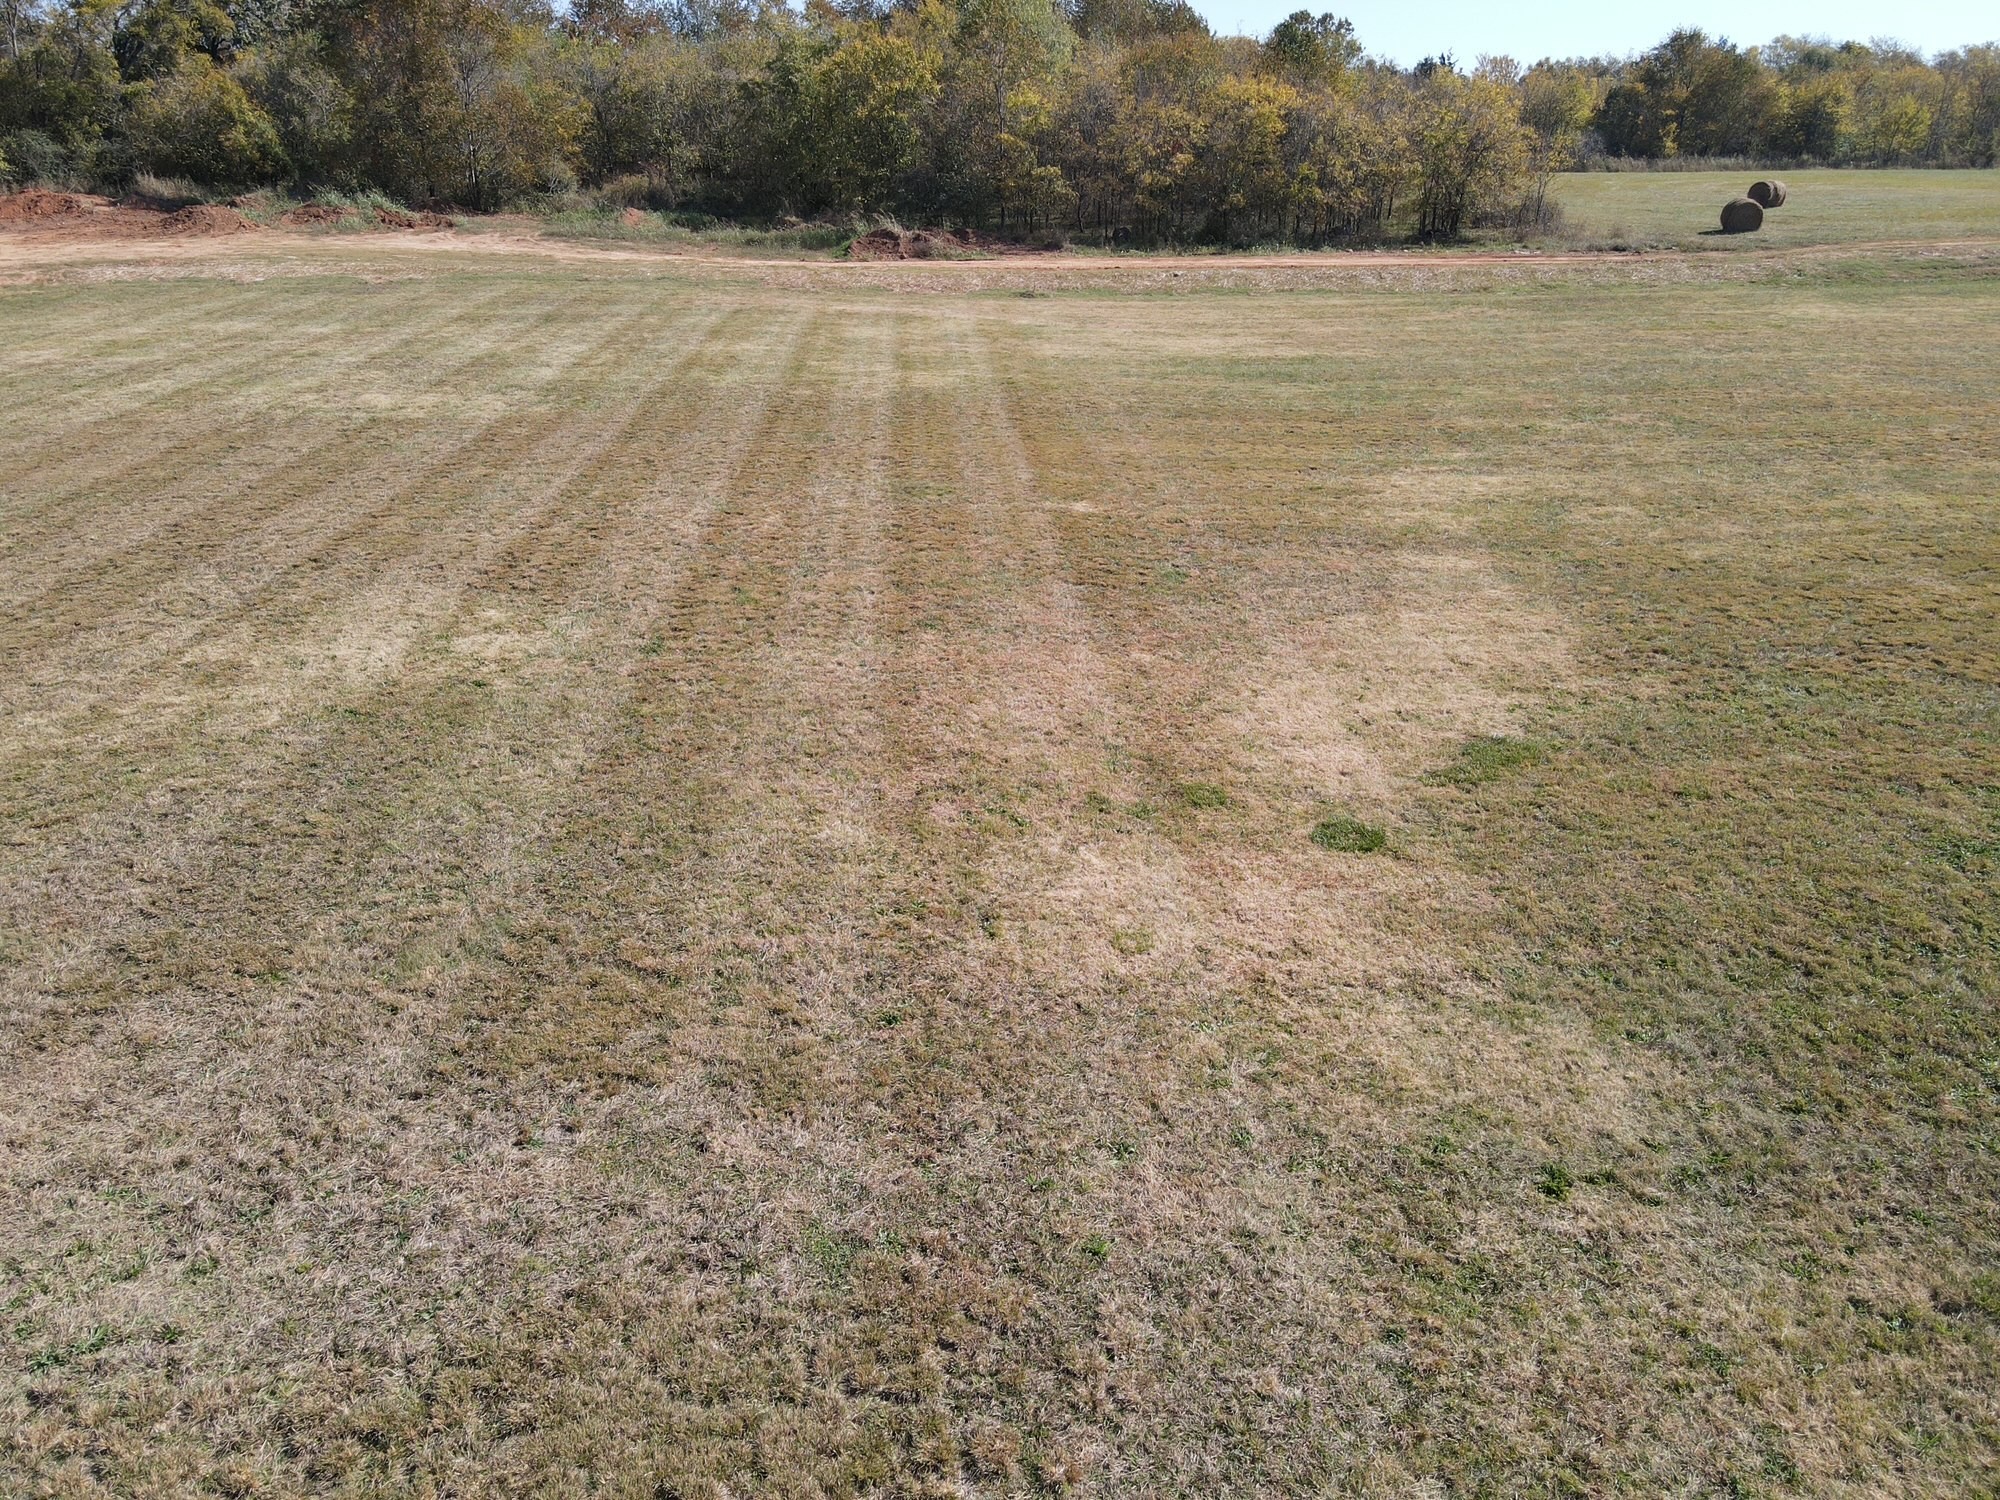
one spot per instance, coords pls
(759, 650)
(686, 713)
(314, 734)
(291, 385)
(114, 339)
(371, 629)
(287, 805)
(135, 608)
(549, 733)
(141, 420)
(588, 553)
(400, 569)
(216, 462)
(64, 756)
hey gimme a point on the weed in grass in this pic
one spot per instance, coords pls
(1345, 835)
(1971, 856)
(1483, 758)
(831, 1253)
(1202, 794)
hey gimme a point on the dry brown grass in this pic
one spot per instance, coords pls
(687, 885)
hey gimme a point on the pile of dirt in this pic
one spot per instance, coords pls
(992, 244)
(203, 219)
(312, 215)
(35, 204)
(395, 218)
(937, 244)
(909, 244)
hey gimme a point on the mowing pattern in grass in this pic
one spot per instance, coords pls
(608, 883)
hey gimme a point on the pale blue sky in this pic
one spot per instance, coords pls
(1407, 30)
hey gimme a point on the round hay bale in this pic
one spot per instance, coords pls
(1769, 194)
(1742, 215)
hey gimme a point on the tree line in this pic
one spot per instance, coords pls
(1096, 118)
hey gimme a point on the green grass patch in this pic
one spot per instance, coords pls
(1483, 758)
(1345, 835)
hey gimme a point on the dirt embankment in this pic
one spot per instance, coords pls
(39, 205)
(395, 218)
(937, 244)
(313, 216)
(89, 216)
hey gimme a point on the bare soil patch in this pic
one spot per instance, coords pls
(203, 219)
(82, 217)
(313, 216)
(395, 218)
(37, 205)
(938, 244)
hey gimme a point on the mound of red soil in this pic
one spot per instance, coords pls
(203, 218)
(307, 215)
(40, 203)
(395, 218)
(906, 244)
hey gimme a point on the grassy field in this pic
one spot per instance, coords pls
(1683, 209)
(648, 880)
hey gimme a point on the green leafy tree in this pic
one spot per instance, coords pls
(1812, 117)
(198, 122)
(1555, 103)
(1244, 175)
(870, 97)
(1003, 52)
(453, 102)
(1311, 51)
(157, 36)
(655, 108)
(1895, 110)
(1689, 96)
(63, 85)
(311, 110)
(1469, 147)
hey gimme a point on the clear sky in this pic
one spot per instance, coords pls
(1407, 30)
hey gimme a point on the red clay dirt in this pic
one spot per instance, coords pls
(395, 218)
(37, 205)
(203, 219)
(87, 216)
(312, 215)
